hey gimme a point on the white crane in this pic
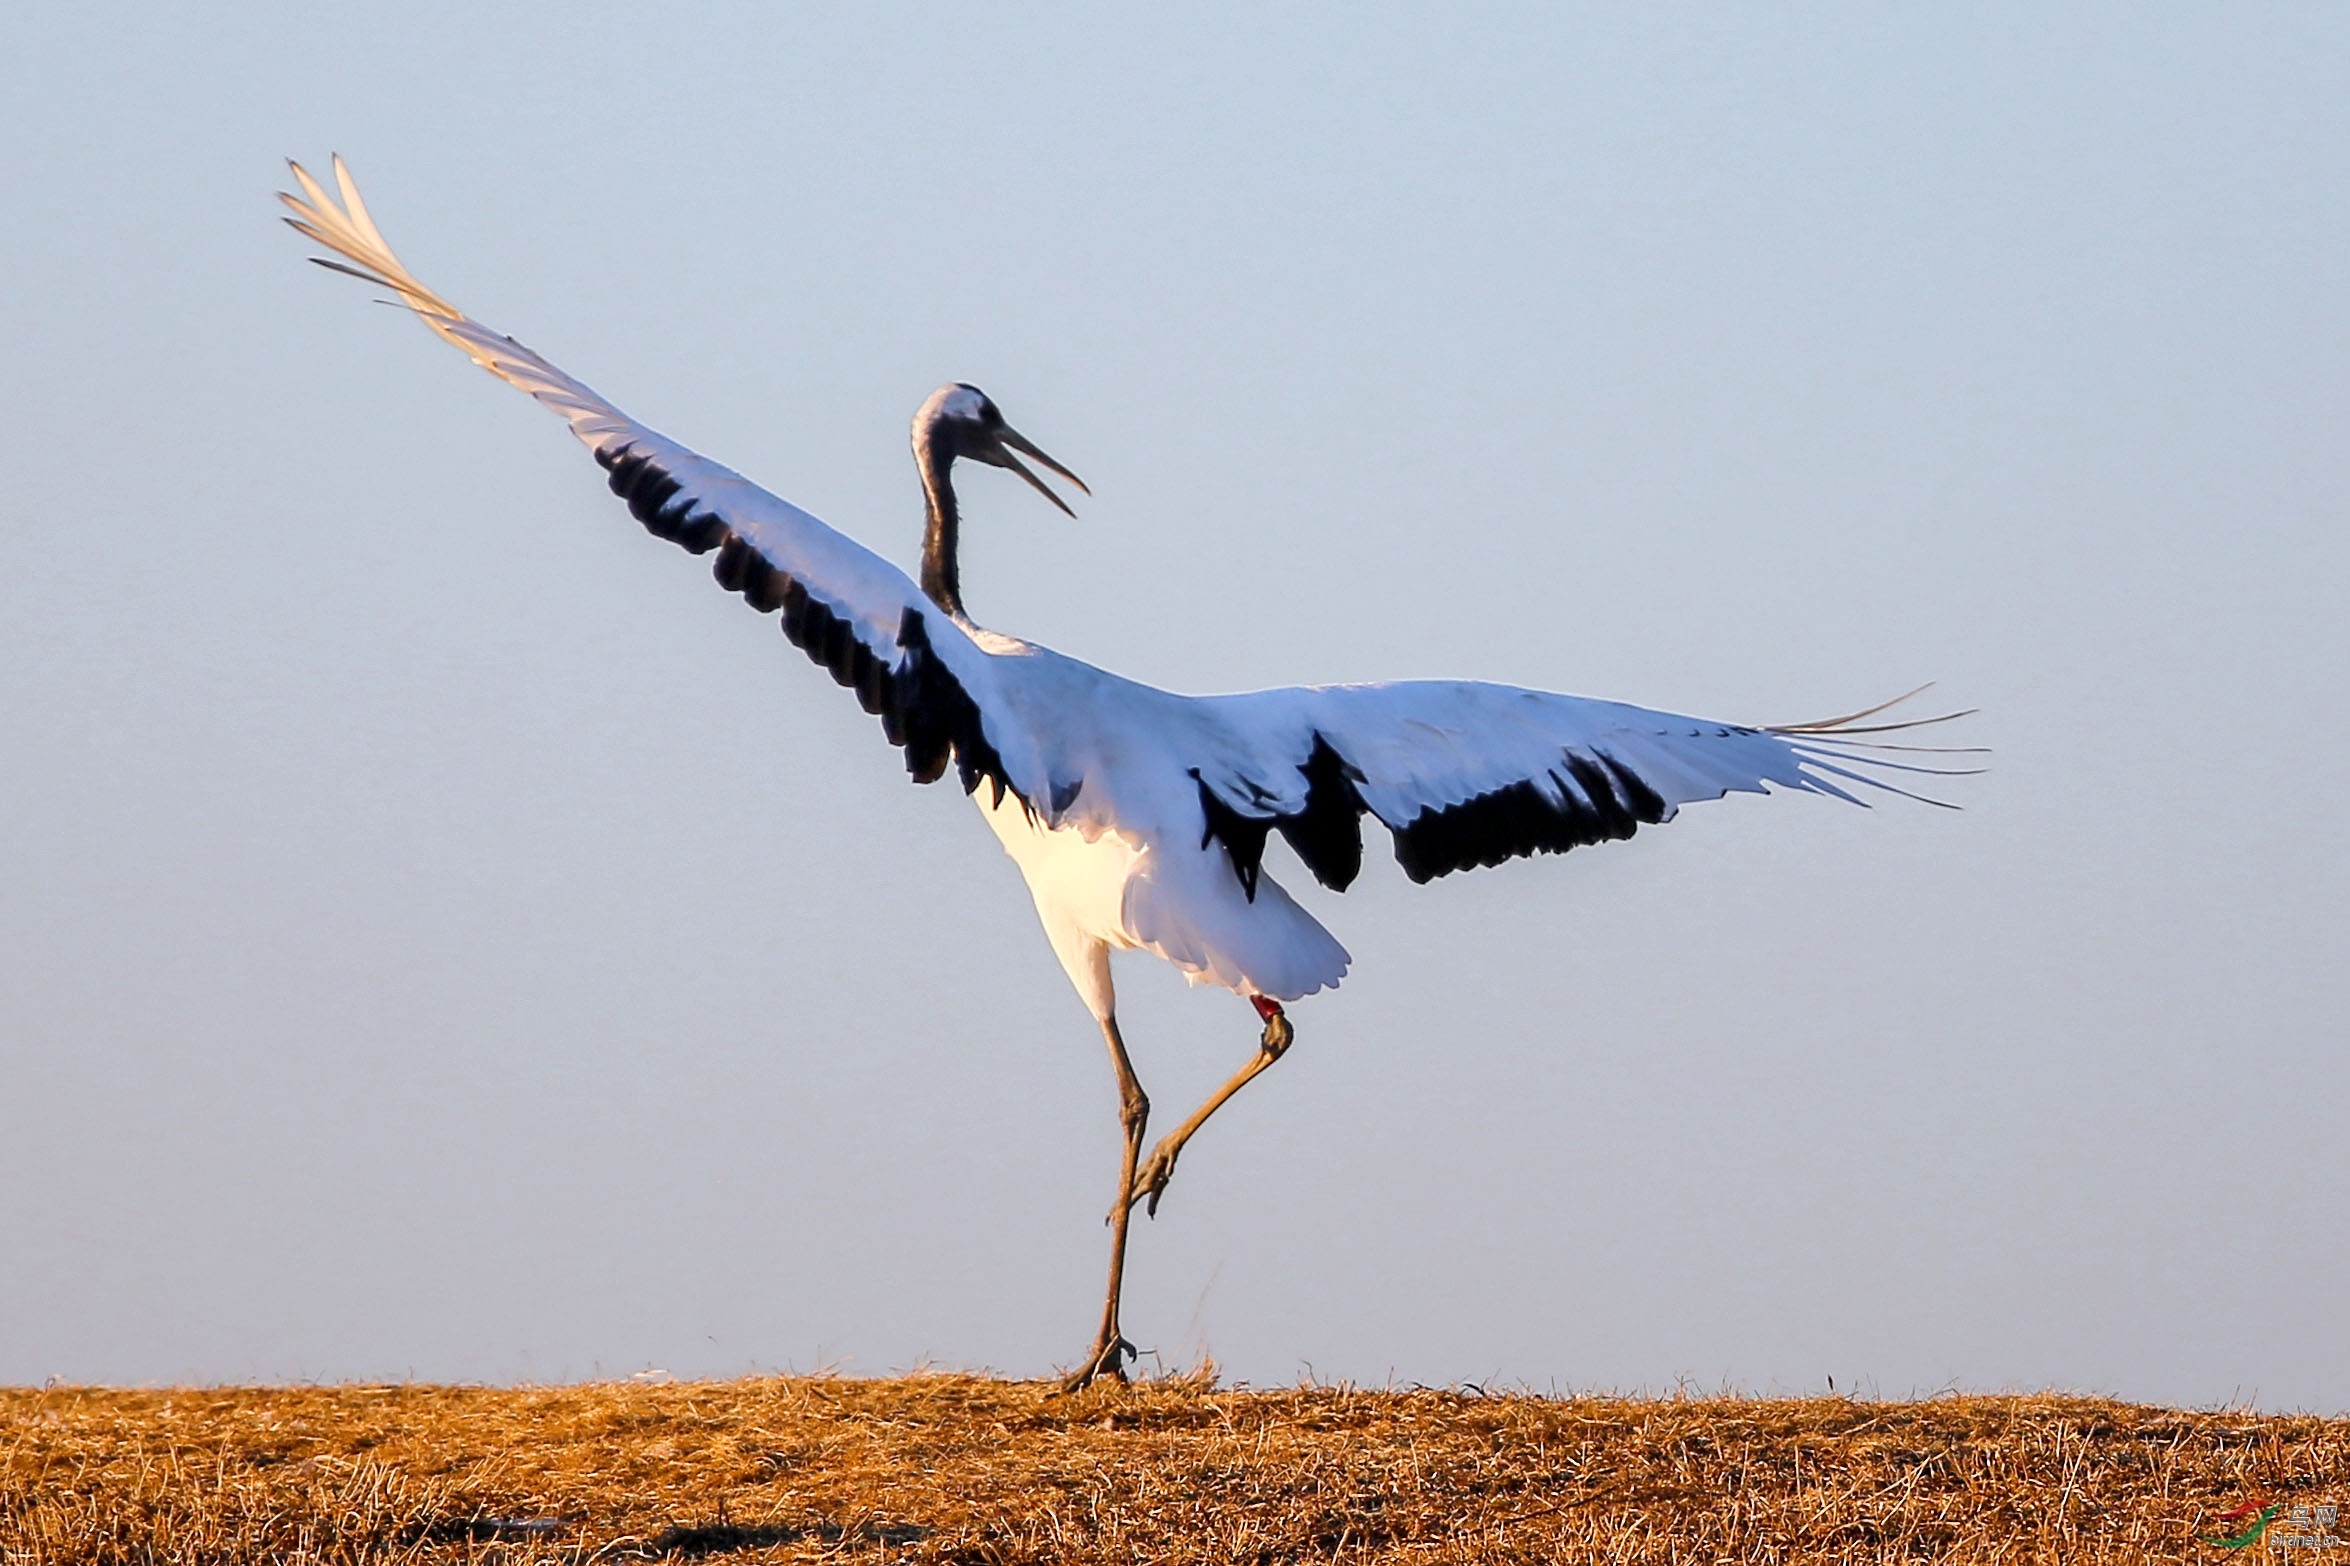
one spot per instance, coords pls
(1139, 818)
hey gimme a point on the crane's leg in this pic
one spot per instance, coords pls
(1110, 1348)
(1152, 1181)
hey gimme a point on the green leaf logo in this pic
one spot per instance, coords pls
(2251, 1535)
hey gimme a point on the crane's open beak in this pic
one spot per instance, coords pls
(1013, 439)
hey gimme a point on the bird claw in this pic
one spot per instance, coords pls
(1108, 1359)
(1150, 1182)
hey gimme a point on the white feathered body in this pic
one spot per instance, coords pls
(1126, 865)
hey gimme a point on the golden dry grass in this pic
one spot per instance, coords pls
(956, 1468)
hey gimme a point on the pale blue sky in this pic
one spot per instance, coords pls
(445, 936)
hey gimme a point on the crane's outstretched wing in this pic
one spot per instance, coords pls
(1466, 774)
(846, 607)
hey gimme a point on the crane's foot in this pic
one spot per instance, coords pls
(1107, 1360)
(1157, 1170)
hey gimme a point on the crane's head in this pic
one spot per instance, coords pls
(961, 421)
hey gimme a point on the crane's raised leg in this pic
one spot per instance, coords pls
(1152, 1181)
(1110, 1348)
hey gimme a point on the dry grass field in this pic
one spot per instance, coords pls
(955, 1468)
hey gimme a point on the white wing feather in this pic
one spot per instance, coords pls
(772, 551)
(1466, 773)
(1463, 773)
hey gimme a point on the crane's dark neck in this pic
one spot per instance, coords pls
(942, 579)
